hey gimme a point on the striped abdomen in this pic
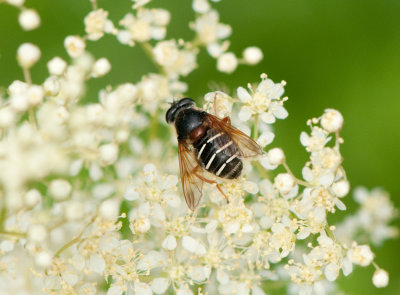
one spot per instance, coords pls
(218, 154)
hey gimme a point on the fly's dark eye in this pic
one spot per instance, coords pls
(184, 103)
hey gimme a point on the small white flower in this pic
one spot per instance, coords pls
(380, 278)
(96, 263)
(28, 54)
(101, 67)
(201, 6)
(108, 153)
(361, 255)
(131, 194)
(341, 188)
(60, 189)
(109, 209)
(115, 290)
(74, 210)
(276, 156)
(250, 187)
(29, 19)
(331, 272)
(57, 66)
(19, 102)
(142, 289)
(284, 183)
(7, 117)
(169, 243)
(95, 23)
(16, 2)
(332, 120)
(227, 63)
(193, 246)
(265, 138)
(35, 95)
(252, 55)
(37, 233)
(52, 86)
(160, 285)
(43, 259)
(75, 46)
(32, 197)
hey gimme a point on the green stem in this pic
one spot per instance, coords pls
(299, 181)
(74, 240)
(329, 232)
(255, 132)
(12, 233)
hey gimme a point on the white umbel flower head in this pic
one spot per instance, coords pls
(380, 278)
(252, 55)
(60, 189)
(101, 67)
(227, 63)
(28, 54)
(75, 46)
(29, 19)
(332, 120)
(57, 66)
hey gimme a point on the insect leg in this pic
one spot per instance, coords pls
(215, 104)
(210, 182)
(227, 120)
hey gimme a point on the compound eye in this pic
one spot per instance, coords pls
(186, 102)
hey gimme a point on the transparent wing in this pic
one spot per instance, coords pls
(192, 185)
(247, 146)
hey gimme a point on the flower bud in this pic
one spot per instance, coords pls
(35, 95)
(29, 19)
(284, 183)
(227, 63)
(27, 55)
(101, 67)
(32, 197)
(57, 66)
(109, 209)
(60, 189)
(74, 45)
(252, 55)
(108, 153)
(52, 86)
(380, 278)
(332, 120)
(341, 188)
(276, 156)
(37, 233)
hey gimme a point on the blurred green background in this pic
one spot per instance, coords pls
(342, 54)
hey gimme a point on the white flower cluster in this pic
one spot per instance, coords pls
(90, 198)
